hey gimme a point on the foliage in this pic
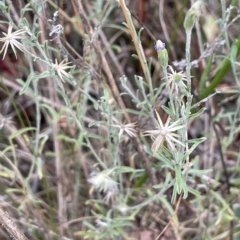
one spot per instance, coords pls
(106, 133)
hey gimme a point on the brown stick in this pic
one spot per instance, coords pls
(10, 226)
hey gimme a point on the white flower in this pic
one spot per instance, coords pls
(60, 68)
(128, 128)
(5, 121)
(164, 133)
(11, 38)
(103, 182)
(175, 79)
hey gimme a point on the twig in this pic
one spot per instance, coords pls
(10, 226)
(171, 222)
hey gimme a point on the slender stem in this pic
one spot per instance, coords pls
(136, 42)
(188, 58)
(186, 111)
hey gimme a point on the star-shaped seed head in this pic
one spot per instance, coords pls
(60, 69)
(165, 133)
(11, 38)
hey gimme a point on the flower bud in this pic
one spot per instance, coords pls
(193, 14)
(162, 53)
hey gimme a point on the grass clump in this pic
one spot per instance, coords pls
(111, 130)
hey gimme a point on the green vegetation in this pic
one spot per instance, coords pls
(119, 120)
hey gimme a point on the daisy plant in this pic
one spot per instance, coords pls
(176, 134)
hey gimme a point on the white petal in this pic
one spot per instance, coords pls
(4, 46)
(172, 129)
(174, 140)
(170, 144)
(151, 132)
(159, 120)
